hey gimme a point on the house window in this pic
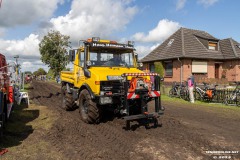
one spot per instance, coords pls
(168, 68)
(152, 68)
(199, 66)
(212, 46)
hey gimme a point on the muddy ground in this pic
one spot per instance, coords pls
(188, 131)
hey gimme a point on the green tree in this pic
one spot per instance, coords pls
(159, 68)
(53, 49)
(28, 72)
(50, 74)
(39, 72)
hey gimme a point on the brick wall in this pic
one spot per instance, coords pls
(187, 68)
(211, 69)
(238, 71)
(229, 68)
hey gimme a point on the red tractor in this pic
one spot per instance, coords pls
(6, 92)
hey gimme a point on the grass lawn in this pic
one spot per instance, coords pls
(166, 98)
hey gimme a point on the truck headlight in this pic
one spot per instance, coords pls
(105, 100)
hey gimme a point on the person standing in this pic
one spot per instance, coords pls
(190, 88)
(10, 98)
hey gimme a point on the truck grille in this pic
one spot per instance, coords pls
(113, 86)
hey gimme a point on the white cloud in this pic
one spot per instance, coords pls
(27, 47)
(145, 50)
(161, 32)
(94, 18)
(207, 3)
(28, 65)
(180, 4)
(33, 66)
(2, 32)
(142, 51)
(25, 12)
(84, 20)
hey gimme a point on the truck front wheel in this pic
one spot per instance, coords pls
(67, 99)
(89, 110)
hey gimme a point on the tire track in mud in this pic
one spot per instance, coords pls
(76, 138)
(108, 140)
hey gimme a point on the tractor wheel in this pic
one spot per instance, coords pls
(67, 99)
(89, 110)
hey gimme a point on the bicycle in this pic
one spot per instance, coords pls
(174, 91)
(206, 93)
(234, 96)
(179, 90)
(184, 92)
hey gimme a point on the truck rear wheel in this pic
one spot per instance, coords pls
(89, 110)
(67, 99)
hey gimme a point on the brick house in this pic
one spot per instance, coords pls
(196, 52)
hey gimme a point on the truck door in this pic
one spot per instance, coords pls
(80, 73)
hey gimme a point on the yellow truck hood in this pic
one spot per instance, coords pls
(103, 72)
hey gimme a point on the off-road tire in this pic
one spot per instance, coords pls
(89, 111)
(68, 102)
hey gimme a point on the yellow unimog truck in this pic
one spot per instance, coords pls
(105, 76)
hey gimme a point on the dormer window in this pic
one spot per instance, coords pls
(212, 46)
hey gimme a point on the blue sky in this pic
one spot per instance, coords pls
(23, 23)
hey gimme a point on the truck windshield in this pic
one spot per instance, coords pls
(112, 59)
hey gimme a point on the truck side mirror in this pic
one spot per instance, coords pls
(71, 55)
(136, 56)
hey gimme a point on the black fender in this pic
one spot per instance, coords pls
(87, 87)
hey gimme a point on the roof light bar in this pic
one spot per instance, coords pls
(130, 43)
(95, 39)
